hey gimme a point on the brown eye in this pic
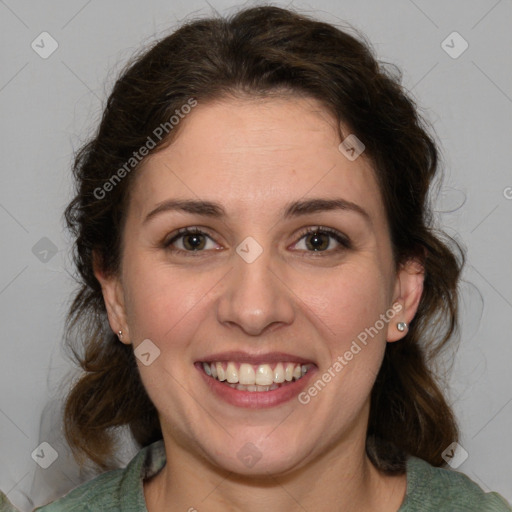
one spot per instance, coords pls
(190, 241)
(317, 241)
(194, 242)
(322, 240)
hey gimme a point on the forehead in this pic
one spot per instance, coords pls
(256, 153)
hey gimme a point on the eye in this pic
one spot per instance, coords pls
(320, 239)
(190, 240)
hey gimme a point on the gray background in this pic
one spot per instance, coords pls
(50, 106)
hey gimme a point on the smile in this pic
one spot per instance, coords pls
(255, 378)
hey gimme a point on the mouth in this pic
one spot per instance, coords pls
(241, 381)
(255, 378)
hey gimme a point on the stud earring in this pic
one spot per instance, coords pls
(120, 335)
(401, 326)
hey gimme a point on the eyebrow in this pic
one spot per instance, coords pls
(293, 209)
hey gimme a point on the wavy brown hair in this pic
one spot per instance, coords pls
(263, 51)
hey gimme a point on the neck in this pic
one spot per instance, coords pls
(342, 479)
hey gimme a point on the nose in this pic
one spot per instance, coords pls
(255, 297)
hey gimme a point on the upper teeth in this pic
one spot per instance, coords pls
(248, 374)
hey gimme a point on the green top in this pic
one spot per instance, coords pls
(429, 489)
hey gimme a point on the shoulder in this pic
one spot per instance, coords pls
(436, 489)
(120, 489)
(101, 493)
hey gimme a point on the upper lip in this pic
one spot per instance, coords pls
(262, 358)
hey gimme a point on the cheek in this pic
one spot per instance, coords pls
(345, 302)
(161, 301)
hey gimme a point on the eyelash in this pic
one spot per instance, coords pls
(336, 235)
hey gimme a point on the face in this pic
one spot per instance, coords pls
(253, 243)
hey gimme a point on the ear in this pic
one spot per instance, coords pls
(407, 293)
(113, 296)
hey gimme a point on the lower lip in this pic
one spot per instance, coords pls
(256, 399)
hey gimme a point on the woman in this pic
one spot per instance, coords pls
(261, 282)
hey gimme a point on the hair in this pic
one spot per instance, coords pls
(260, 52)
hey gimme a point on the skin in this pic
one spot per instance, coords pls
(254, 156)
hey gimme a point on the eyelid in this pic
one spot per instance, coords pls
(341, 238)
(182, 232)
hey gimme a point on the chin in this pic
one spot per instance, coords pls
(260, 458)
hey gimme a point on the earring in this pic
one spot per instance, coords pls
(120, 335)
(401, 326)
